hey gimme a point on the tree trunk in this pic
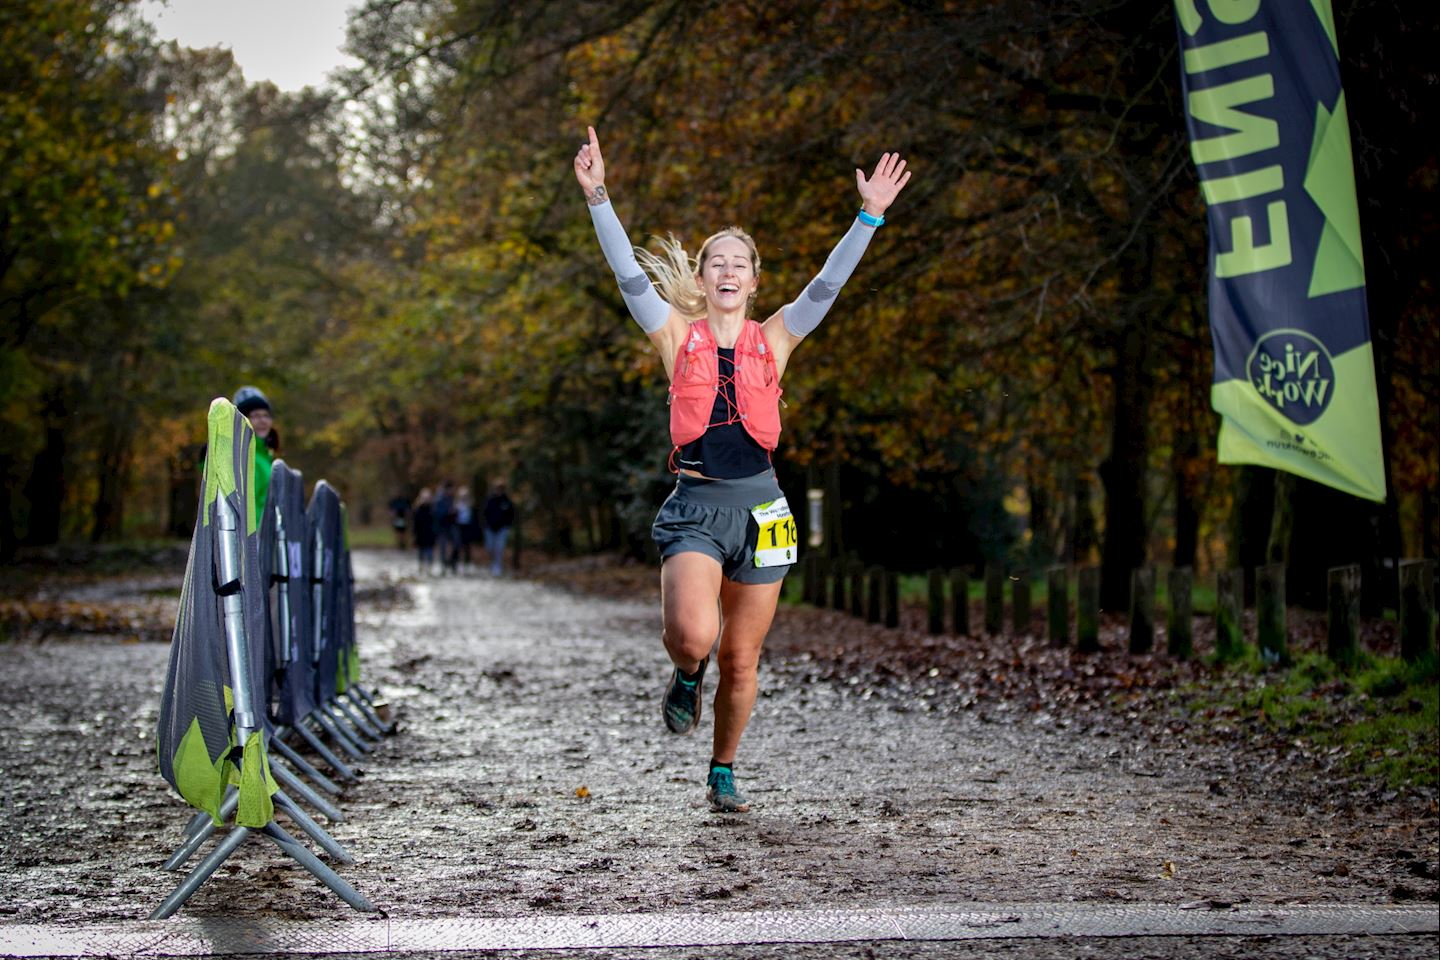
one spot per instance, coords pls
(1124, 471)
(1083, 538)
(7, 517)
(45, 489)
(1335, 529)
(1250, 522)
(1041, 546)
(115, 457)
(1187, 505)
(1282, 518)
(184, 491)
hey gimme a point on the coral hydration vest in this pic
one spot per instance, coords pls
(696, 380)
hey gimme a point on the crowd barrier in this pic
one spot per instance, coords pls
(263, 654)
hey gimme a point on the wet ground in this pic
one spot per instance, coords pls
(532, 775)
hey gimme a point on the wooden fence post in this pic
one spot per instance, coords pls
(874, 596)
(994, 599)
(1342, 632)
(1229, 614)
(1417, 609)
(1020, 602)
(1179, 627)
(837, 584)
(1087, 610)
(1142, 609)
(857, 587)
(892, 598)
(935, 605)
(810, 590)
(1271, 627)
(1057, 605)
(960, 601)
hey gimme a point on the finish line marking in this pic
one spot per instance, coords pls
(197, 937)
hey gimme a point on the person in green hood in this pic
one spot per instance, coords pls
(255, 406)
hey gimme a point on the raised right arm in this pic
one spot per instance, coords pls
(640, 296)
(644, 303)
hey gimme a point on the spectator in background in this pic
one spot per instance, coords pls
(465, 526)
(399, 519)
(499, 518)
(423, 516)
(445, 529)
(255, 406)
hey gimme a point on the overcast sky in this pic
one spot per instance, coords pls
(291, 43)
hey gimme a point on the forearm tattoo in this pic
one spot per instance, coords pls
(598, 196)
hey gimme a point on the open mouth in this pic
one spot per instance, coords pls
(728, 288)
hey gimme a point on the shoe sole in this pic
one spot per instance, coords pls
(721, 808)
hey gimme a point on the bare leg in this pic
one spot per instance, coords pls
(748, 612)
(689, 597)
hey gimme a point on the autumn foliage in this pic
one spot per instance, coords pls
(1019, 369)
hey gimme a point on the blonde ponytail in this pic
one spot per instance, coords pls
(673, 273)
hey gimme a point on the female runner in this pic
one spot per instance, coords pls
(726, 535)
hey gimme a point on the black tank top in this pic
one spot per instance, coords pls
(725, 451)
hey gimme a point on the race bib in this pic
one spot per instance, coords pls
(777, 543)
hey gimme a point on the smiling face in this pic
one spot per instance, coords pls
(729, 273)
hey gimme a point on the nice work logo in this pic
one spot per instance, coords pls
(1293, 371)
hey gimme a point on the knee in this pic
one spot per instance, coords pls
(689, 641)
(738, 667)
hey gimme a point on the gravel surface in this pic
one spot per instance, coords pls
(532, 775)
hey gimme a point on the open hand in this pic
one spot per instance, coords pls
(884, 185)
(590, 166)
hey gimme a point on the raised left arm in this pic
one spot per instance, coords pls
(803, 315)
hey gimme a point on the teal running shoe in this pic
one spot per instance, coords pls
(682, 701)
(720, 791)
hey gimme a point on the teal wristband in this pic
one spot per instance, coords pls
(870, 221)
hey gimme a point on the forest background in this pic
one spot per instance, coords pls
(1019, 372)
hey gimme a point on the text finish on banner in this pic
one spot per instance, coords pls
(1269, 134)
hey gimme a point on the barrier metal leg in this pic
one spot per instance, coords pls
(341, 768)
(207, 829)
(347, 742)
(338, 733)
(301, 765)
(286, 843)
(286, 779)
(196, 839)
(312, 863)
(201, 873)
(310, 828)
(344, 715)
(366, 705)
(196, 824)
(347, 709)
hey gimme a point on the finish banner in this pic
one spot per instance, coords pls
(1294, 374)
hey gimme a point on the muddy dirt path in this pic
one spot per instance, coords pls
(533, 775)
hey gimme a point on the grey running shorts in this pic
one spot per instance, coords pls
(713, 517)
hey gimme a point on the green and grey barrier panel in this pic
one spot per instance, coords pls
(212, 735)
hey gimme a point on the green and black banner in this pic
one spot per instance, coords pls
(1270, 137)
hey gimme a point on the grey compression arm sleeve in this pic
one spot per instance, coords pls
(805, 314)
(646, 306)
